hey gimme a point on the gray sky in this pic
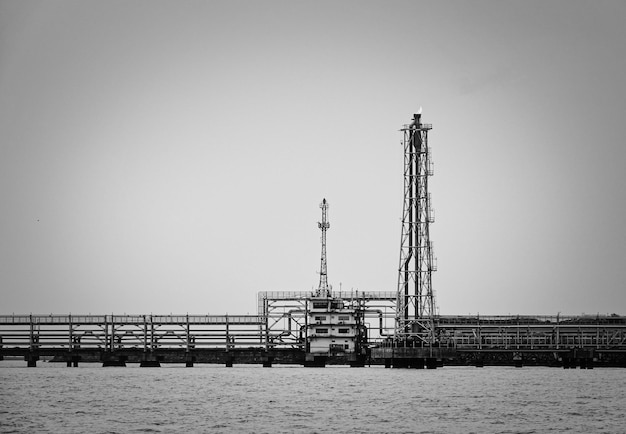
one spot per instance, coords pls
(171, 156)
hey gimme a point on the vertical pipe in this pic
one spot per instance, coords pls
(266, 321)
(580, 337)
(188, 333)
(558, 337)
(306, 324)
(70, 339)
(410, 229)
(145, 335)
(517, 337)
(31, 338)
(480, 340)
(227, 334)
(106, 334)
(152, 341)
(112, 337)
(418, 225)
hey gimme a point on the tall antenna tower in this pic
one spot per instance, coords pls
(323, 289)
(415, 300)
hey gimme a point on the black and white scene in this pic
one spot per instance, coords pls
(290, 216)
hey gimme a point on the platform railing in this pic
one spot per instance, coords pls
(207, 331)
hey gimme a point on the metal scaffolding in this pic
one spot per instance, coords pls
(286, 313)
(415, 300)
(323, 290)
(281, 323)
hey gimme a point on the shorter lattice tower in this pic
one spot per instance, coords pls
(323, 290)
(415, 300)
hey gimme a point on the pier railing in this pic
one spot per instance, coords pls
(528, 332)
(112, 332)
(282, 327)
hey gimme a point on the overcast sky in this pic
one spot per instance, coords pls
(161, 157)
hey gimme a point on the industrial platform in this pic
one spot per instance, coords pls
(400, 328)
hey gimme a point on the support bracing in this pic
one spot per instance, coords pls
(323, 289)
(415, 300)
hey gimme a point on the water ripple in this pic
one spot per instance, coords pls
(210, 398)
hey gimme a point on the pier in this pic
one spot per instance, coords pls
(280, 338)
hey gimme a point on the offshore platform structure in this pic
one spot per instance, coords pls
(328, 326)
(415, 313)
(333, 326)
(320, 326)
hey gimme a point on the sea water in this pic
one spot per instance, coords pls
(294, 399)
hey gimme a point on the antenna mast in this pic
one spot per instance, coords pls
(323, 290)
(415, 300)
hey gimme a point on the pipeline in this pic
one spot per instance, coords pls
(380, 319)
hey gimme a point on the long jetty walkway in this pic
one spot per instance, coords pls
(150, 340)
(147, 339)
(567, 341)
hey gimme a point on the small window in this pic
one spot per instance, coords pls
(347, 347)
(320, 318)
(321, 331)
(344, 330)
(344, 318)
(320, 305)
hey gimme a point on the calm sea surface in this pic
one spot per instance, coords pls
(253, 399)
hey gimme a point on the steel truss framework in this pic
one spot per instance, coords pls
(287, 314)
(281, 323)
(323, 289)
(415, 299)
(532, 332)
(115, 332)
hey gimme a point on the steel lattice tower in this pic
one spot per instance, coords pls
(415, 300)
(323, 289)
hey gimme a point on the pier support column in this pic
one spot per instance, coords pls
(357, 360)
(72, 360)
(112, 359)
(31, 360)
(313, 361)
(399, 363)
(189, 359)
(229, 360)
(267, 361)
(150, 361)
